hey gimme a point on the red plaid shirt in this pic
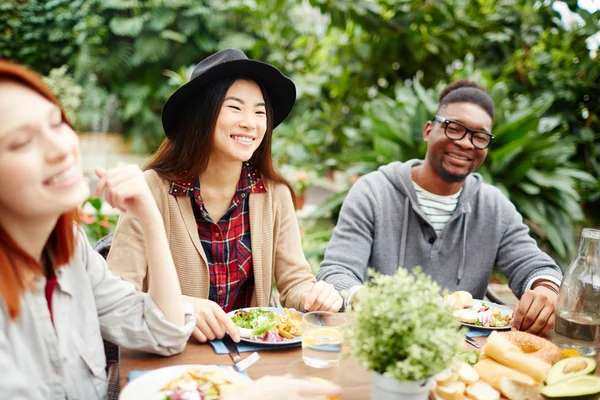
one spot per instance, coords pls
(226, 243)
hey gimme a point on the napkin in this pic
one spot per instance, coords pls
(473, 332)
(244, 347)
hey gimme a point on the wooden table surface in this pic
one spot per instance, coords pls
(352, 378)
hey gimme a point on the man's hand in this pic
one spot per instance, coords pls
(322, 297)
(211, 321)
(535, 311)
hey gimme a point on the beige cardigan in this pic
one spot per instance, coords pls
(275, 237)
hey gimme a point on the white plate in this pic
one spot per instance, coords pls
(275, 310)
(147, 386)
(503, 309)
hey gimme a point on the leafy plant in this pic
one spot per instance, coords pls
(67, 90)
(402, 329)
(96, 224)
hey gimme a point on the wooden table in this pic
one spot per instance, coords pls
(354, 379)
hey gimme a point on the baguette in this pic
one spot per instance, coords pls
(482, 391)
(508, 354)
(491, 372)
(519, 391)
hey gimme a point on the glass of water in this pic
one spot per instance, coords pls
(322, 338)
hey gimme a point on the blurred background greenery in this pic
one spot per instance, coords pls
(368, 74)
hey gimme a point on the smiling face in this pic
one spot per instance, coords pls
(452, 160)
(241, 123)
(40, 175)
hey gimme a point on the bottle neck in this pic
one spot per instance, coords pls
(589, 250)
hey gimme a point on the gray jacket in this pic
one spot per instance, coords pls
(42, 361)
(382, 226)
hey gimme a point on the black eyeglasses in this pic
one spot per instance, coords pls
(456, 131)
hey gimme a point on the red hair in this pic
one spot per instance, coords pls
(16, 266)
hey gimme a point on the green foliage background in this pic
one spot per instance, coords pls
(367, 72)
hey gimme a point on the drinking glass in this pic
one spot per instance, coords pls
(322, 338)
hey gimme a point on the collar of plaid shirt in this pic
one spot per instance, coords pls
(249, 183)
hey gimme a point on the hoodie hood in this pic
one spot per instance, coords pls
(400, 176)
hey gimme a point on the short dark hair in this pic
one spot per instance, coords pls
(466, 91)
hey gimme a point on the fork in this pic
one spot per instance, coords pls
(238, 364)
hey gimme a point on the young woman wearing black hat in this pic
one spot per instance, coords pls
(228, 213)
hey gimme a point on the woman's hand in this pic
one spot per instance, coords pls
(282, 387)
(125, 188)
(322, 297)
(211, 321)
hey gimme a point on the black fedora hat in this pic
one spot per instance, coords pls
(232, 63)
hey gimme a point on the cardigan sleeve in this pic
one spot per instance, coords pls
(293, 275)
(127, 256)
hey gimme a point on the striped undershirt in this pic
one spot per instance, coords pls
(438, 209)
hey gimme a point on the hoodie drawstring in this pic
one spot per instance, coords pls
(404, 233)
(461, 266)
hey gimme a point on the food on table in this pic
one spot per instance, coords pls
(459, 299)
(516, 390)
(481, 391)
(266, 326)
(566, 353)
(462, 381)
(198, 384)
(500, 349)
(467, 374)
(534, 345)
(492, 372)
(467, 315)
(569, 368)
(478, 313)
(576, 386)
(451, 391)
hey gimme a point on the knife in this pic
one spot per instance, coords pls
(238, 364)
(471, 341)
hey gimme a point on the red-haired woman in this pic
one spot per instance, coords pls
(57, 296)
(228, 213)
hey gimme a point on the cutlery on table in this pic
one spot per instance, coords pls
(471, 341)
(238, 364)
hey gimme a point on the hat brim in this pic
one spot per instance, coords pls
(280, 89)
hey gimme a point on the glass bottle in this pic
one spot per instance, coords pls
(577, 324)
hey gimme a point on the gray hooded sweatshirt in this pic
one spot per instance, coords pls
(382, 226)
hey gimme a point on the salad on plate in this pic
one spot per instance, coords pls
(478, 313)
(267, 324)
(197, 384)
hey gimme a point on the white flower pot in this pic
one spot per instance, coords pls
(384, 388)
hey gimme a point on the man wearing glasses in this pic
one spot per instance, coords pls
(436, 213)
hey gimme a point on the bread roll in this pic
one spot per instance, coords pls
(461, 299)
(491, 372)
(508, 354)
(519, 391)
(468, 316)
(453, 391)
(467, 374)
(481, 391)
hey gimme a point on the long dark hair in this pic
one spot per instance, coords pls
(185, 153)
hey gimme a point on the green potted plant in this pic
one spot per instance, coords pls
(403, 334)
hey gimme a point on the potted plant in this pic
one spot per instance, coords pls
(403, 334)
